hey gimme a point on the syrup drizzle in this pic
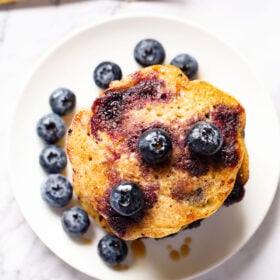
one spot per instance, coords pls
(138, 249)
(120, 267)
(85, 240)
(176, 255)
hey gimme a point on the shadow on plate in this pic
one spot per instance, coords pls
(209, 244)
(254, 248)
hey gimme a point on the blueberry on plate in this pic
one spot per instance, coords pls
(105, 73)
(51, 128)
(187, 63)
(75, 221)
(53, 159)
(112, 249)
(126, 198)
(204, 138)
(56, 190)
(155, 146)
(62, 101)
(149, 52)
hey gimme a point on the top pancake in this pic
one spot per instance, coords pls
(102, 148)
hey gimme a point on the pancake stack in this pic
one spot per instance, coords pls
(103, 148)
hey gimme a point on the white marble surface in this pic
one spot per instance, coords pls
(28, 30)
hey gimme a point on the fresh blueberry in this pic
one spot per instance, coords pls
(126, 198)
(105, 73)
(56, 190)
(149, 52)
(204, 138)
(53, 159)
(112, 249)
(155, 146)
(187, 63)
(75, 221)
(62, 101)
(51, 128)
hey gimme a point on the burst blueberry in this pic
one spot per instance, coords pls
(236, 194)
(112, 249)
(53, 159)
(105, 73)
(204, 138)
(149, 52)
(126, 198)
(187, 63)
(56, 190)
(155, 146)
(51, 128)
(75, 221)
(62, 101)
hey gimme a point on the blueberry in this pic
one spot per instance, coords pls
(155, 146)
(62, 101)
(194, 224)
(51, 128)
(56, 190)
(126, 198)
(204, 138)
(187, 63)
(236, 194)
(149, 52)
(75, 221)
(105, 73)
(112, 249)
(53, 159)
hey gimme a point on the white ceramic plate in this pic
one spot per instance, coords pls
(71, 65)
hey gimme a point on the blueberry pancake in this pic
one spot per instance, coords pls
(156, 152)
